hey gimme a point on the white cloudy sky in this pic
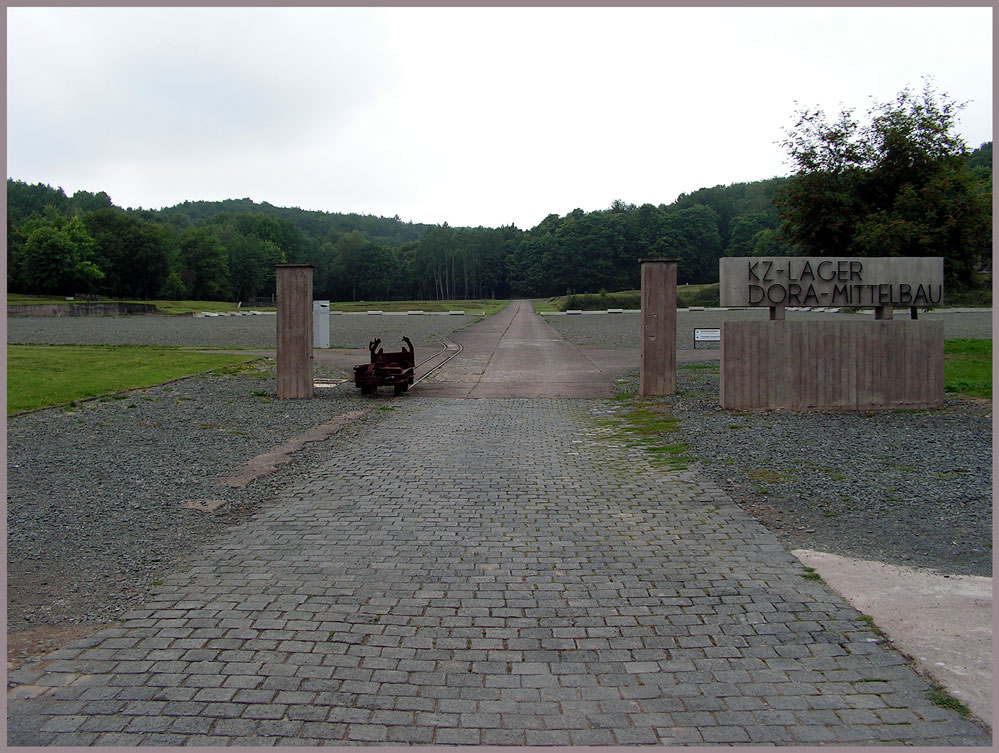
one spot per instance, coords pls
(471, 116)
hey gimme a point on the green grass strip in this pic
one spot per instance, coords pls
(40, 376)
(968, 367)
(162, 306)
(489, 305)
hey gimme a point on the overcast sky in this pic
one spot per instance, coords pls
(471, 116)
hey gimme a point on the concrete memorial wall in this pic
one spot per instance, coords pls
(850, 364)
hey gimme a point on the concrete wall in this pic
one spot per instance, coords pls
(79, 309)
(832, 365)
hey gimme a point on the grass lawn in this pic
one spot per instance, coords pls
(968, 367)
(39, 376)
(162, 307)
(488, 305)
(196, 307)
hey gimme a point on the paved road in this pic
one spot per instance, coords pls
(486, 572)
(517, 354)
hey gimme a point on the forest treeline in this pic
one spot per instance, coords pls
(226, 250)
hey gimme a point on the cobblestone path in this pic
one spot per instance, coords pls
(487, 572)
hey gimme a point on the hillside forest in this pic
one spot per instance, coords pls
(226, 250)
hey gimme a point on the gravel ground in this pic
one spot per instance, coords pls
(346, 331)
(903, 487)
(95, 493)
(907, 488)
(94, 505)
(624, 330)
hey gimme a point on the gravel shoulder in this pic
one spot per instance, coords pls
(346, 330)
(901, 487)
(625, 330)
(909, 488)
(95, 494)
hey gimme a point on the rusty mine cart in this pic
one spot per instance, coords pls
(395, 369)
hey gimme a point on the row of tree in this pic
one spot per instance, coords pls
(65, 248)
(901, 184)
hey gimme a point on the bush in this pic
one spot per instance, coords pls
(686, 295)
(701, 295)
(628, 299)
(173, 288)
(979, 293)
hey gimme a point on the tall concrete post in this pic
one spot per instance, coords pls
(294, 330)
(658, 366)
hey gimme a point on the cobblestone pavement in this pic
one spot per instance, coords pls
(486, 572)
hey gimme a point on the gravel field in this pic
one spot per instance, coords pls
(624, 330)
(94, 505)
(355, 331)
(346, 331)
(95, 493)
(908, 488)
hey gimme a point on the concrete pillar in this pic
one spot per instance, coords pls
(658, 366)
(294, 330)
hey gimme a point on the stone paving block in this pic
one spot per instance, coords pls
(68, 739)
(63, 723)
(103, 723)
(512, 588)
(454, 736)
(505, 737)
(144, 724)
(279, 728)
(367, 732)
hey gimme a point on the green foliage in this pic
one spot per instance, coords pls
(735, 201)
(204, 264)
(59, 259)
(810, 574)
(976, 293)
(745, 231)
(227, 250)
(649, 426)
(40, 376)
(968, 367)
(898, 185)
(698, 295)
(135, 255)
(940, 697)
(173, 287)
(370, 269)
(686, 295)
(627, 299)
(253, 248)
(489, 305)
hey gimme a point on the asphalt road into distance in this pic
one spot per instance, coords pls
(517, 354)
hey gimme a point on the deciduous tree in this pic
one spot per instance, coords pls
(897, 184)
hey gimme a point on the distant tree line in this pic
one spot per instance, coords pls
(901, 185)
(60, 244)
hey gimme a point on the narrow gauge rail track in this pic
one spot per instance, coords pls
(444, 349)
